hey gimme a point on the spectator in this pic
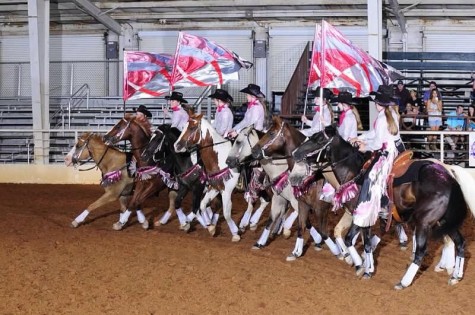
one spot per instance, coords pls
(472, 92)
(471, 117)
(417, 106)
(434, 110)
(402, 93)
(427, 94)
(456, 121)
(408, 117)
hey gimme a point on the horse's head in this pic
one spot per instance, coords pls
(273, 142)
(127, 128)
(315, 144)
(191, 134)
(79, 151)
(241, 149)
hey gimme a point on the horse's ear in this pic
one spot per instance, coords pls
(199, 116)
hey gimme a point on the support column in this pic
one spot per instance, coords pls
(261, 43)
(38, 25)
(375, 42)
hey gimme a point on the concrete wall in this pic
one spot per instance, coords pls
(48, 174)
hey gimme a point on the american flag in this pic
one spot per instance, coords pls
(338, 64)
(146, 75)
(201, 62)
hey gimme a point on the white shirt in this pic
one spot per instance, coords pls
(254, 115)
(349, 126)
(315, 125)
(375, 138)
(179, 118)
(223, 121)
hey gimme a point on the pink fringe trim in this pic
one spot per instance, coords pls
(111, 178)
(219, 177)
(280, 182)
(345, 193)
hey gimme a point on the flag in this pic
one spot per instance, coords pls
(338, 64)
(201, 62)
(146, 75)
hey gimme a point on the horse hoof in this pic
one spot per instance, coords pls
(156, 223)
(257, 246)
(185, 227)
(291, 257)
(403, 245)
(450, 271)
(286, 233)
(399, 286)
(212, 229)
(145, 225)
(118, 226)
(367, 276)
(438, 269)
(236, 238)
(359, 271)
(75, 224)
(318, 247)
(242, 229)
(454, 280)
(348, 259)
(253, 227)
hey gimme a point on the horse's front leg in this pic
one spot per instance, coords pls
(368, 251)
(247, 215)
(109, 196)
(264, 197)
(343, 226)
(205, 214)
(459, 241)
(350, 236)
(278, 206)
(172, 197)
(447, 259)
(421, 234)
(303, 209)
(227, 210)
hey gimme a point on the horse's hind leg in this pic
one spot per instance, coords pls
(447, 259)
(247, 216)
(278, 207)
(342, 226)
(459, 241)
(368, 250)
(421, 249)
(358, 262)
(258, 213)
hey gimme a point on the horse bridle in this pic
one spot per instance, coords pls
(198, 146)
(280, 133)
(86, 146)
(121, 133)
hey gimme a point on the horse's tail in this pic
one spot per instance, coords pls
(466, 182)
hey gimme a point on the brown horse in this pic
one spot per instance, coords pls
(150, 179)
(117, 182)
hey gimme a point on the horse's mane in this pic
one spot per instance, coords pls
(145, 125)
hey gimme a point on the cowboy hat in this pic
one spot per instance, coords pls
(345, 97)
(326, 93)
(177, 96)
(384, 96)
(222, 95)
(253, 89)
(143, 109)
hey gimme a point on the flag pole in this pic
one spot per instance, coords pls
(322, 76)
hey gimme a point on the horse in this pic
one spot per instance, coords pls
(198, 134)
(149, 178)
(116, 180)
(278, 143)
(184, 167)
(432, 196)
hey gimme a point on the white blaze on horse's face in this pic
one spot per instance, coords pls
(177, 146)
(68, 159)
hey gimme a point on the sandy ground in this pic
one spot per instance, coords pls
(47, 267)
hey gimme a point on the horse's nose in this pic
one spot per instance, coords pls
(178, 147)
(298, 156)
(257, 152)
(231, 162)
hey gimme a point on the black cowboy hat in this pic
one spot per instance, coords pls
(327, 94)
(253, 89)
(345, 97)
(177, 96)
(384, 96)
(143, 109)
(222, 95)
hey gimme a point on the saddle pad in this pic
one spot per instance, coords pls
(412, 173)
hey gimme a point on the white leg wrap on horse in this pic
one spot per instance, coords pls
(205, 217)
(290, 220)
(315, 235)
(459, 262)
(341, 245)
(375, 241)
(414, 244)
(353, 241)
(245, 219)
(257, 215)
(232, 226)
(82, 216)
(402, 234)
(332, 246)
(410, 274)
(124, 216)
(264, 237)
(200, 220)
(355, 256)
(181, 216)
(369, 262)
(140, 216)
(298, 249)
(165, 217)
(190, 216)
(209, 212)
(214, 221)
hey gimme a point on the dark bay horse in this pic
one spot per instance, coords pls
(278, 143)
(434, 198)
(150, 179)
(116, 180)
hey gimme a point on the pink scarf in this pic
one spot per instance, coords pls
(316, 108)
(175, 109)
(220, 108)
(342, 116)
(252, 103)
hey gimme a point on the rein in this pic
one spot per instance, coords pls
(86, 146)
(120, 134)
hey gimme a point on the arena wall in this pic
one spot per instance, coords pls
(59, 174)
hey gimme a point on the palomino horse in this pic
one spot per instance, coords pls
(278, 143)
(149, 178)
(184, 167)
(434, 197)
(117, 182)
(199, 134)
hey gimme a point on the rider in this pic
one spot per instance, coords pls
(223, 121)
(324, 118)
(349, 121)
(255, 113)
(179, 115)
(142, 114)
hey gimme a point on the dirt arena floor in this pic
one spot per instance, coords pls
(47, 267)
